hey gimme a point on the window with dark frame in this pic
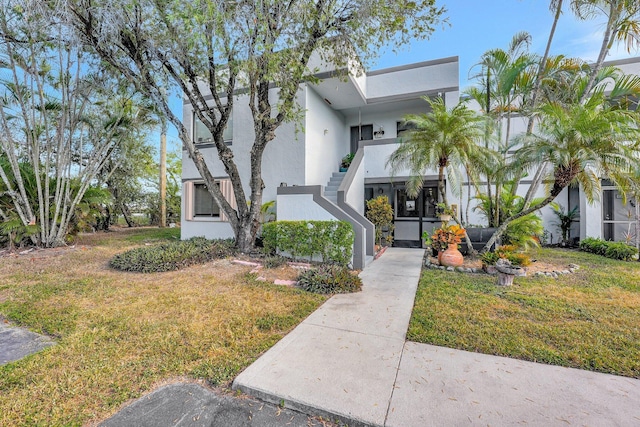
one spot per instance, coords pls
(424, 205)
(402, 127)
(203, 203)
(408, 207)
(201, 134)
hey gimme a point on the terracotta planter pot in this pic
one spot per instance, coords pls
(451, 257)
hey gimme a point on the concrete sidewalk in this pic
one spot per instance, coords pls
(349, 360)
(16, 343)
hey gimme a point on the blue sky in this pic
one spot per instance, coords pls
(479, 25)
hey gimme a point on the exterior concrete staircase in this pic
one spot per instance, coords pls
(331, 189)
(331, 194)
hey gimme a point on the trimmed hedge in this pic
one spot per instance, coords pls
(172, 256)
(329, 279)
(331, 241)
(615, 250)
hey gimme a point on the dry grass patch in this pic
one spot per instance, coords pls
(587, 320)
(119, 333)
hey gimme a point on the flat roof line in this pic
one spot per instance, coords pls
(415, 65)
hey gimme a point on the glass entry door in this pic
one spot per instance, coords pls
(618, 218)
(413, 215)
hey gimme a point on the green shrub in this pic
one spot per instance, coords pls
(489, 258)
(508, 252)
(331, 241)
(615, 250)
(593, 245)
(621, 251)
(380, 213)
(329, 279)
(172, 255)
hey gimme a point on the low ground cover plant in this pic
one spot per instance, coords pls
(586, 320)
(329, 279)
(171, 256)
(613, 250)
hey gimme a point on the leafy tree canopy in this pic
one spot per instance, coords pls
(210, 50)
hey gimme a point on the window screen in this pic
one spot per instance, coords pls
(203, 203)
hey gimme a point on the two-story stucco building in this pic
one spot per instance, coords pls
(361, 114)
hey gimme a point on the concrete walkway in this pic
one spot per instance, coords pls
(16, 343)
(349, 360)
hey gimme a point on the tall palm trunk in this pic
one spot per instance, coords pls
(609, 32)
(537, 179)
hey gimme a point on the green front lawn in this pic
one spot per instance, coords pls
(588, 320)
(120, 334)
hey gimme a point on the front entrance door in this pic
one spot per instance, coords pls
(413, 215)
(360, 133)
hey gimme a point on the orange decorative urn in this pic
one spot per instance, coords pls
(451, 257)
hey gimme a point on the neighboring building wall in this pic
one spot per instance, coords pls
(326, 139)
(628, 66)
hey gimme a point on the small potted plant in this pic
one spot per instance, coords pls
(346, 162)
(444, 212)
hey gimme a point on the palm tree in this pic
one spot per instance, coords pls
(623, 24)
(580, 143)
(506, 77)
(444, 139)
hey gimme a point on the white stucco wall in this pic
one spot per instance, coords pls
(375, 160)
(283, 161)
(402, 80)
(592, 213)
(284, 157)
(358, 76)
(326, 139)
(209, 229)
(355, 194)
(301, 207)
